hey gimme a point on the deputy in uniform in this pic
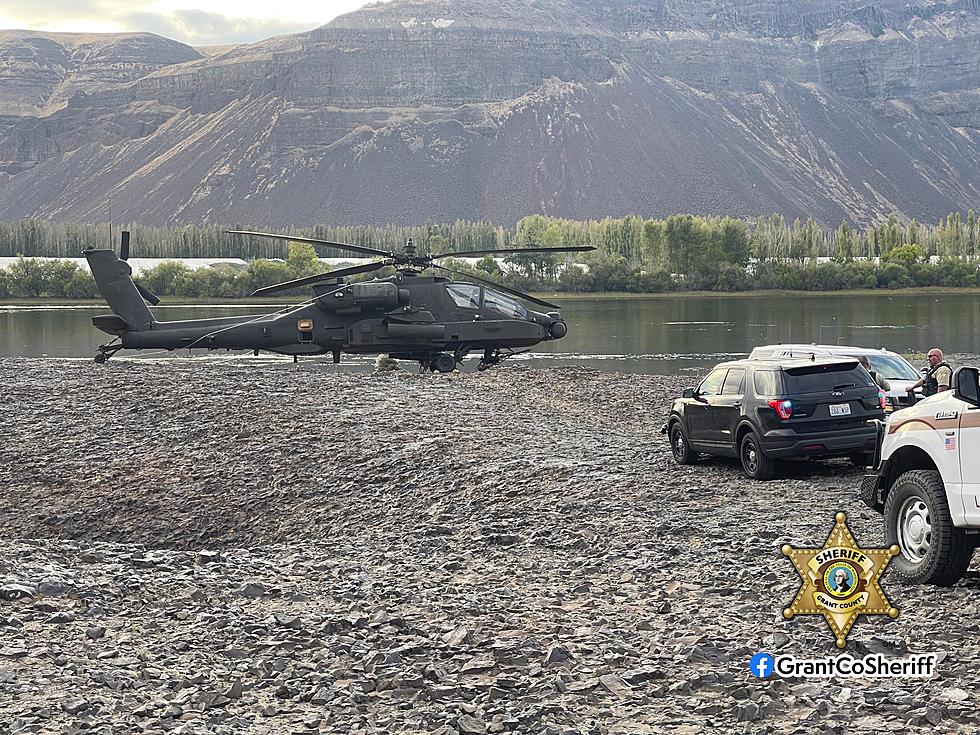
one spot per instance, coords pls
(880, 380)
(938, 376)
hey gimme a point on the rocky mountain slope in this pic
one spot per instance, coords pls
(419, 110)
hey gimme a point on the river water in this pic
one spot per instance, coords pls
(676, 334)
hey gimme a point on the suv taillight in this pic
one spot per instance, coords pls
(783, 407)
(882, 401)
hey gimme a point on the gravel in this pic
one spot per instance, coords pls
(213, 546)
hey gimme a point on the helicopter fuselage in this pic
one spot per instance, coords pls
(407, 316)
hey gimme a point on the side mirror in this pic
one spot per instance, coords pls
(966, 385)
(688, 393)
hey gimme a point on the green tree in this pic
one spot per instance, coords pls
(302, 260)
(770, 238)
(164, 278)
(797, 248)
(687, 243)
(438, 245)
(261, 272)
(735, 241)
(573, 278)
(904, 254)
(971, 234)
(893, 275)
(845, 242)
(911, 233)
(489, 266)
(28, 277)
(653, 242)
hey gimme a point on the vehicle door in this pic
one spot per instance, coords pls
(726, 408)
(967, 446)
(698, 409)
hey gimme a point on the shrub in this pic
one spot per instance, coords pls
(859, 274)
(28, 277)
(893, 275)
(828, 276)
(574, 278)
(955, 272)
(165, 277)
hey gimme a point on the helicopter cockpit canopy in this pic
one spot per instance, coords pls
(471, 296)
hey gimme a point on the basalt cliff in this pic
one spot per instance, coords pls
(432, 110)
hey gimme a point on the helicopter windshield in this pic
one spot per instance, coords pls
(466, 295)
(503, 304)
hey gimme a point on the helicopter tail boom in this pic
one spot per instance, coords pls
(114, 278)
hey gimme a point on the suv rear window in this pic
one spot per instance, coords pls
(765, 383)
(820, 378)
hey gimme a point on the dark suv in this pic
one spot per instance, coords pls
(762, 410)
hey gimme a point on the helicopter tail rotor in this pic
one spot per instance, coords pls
(147, 295)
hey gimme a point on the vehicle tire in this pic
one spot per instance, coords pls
(755, 463)
(683, 454)
(862, 459)
(917, 518)
(444, 362)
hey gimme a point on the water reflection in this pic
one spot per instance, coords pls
(647, 335)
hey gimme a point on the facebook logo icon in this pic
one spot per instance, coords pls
(762, 665)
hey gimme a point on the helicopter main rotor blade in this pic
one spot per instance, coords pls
(147, 295)
(353, 270)
(314, 241)
(478, 253)
(511, 291)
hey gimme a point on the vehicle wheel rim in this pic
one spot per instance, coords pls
(749, 457)
(678, 443)
(914, 529)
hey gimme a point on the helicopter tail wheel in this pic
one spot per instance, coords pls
(106, 351)
(444, 363)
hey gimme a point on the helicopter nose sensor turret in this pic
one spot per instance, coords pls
(557, 328)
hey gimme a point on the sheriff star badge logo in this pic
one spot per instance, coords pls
(840, 581)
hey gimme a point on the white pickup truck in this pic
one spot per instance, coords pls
(926, 482)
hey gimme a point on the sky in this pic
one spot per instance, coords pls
(195, 22)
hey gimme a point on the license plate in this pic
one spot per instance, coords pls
(840, 409)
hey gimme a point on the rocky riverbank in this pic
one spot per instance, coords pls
(219, 547)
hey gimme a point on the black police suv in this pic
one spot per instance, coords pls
(763, 410)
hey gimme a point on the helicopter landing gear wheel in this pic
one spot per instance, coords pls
(490, 358)
(443, 362)
(106, 351)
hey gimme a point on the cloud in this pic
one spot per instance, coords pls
(30, 14)
(200, 28)
(192, 26)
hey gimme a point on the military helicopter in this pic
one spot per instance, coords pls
(408, 316)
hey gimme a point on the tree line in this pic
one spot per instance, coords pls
(680, 252)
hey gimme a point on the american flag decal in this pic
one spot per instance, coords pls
(951, 443)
